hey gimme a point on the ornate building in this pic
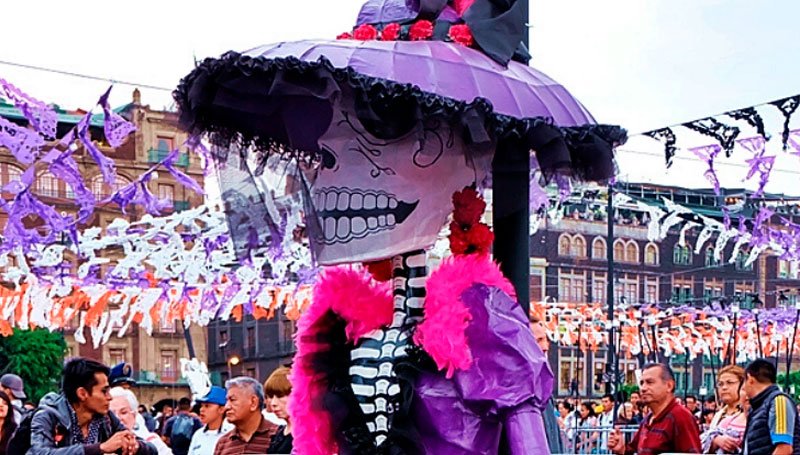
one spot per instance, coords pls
(569, 264)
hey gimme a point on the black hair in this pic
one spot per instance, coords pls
(9, 423)
(666, 371)
(80, 372)
(590, 406)
(762, 371)
(184, 404)
(568, 406)
(609, 396)
(692, 397)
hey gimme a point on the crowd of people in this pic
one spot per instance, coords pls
(97, 412)
(750, 415)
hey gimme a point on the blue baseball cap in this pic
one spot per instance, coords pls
(216, 395)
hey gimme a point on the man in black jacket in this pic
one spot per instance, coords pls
(78, 421)
(772, 424)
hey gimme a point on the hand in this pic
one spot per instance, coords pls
(727, 443)
(782, 449)
(118, 441)
(616, 443)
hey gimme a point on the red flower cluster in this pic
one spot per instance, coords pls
(461, 34)
(390, 32)
(380, 270)
(467, 234)
(365, 32)
(420, 31)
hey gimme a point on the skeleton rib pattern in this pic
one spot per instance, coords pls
(372, 375)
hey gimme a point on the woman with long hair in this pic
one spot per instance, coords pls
(726, 431)
(277, 389)
(7, 423)
(587, 428)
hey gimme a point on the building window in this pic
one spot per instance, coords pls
(619, 251)
(47, 185)
(288, 331)
(710, 260)
(681, 255)
(251, 337)
(223, 336)
(572, 287)
(682, 291)
(169, 365)
(116, 356)
(627, 286)
(103, 191)
(571, 371)
(632, 252)
(741, 262)
(744, 294)
(251, 372)
(599, 288)
(712, 290)
(164, 144)
(651, 254)
(578, 247)
(564, 245)
(9, 173)
(651, 290)
(166, 191)
(599, 248)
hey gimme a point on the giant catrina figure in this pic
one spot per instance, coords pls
(388, 124)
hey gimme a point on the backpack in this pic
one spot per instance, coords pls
(182, 431)
(20, 441)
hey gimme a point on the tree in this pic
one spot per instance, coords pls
(37, 356)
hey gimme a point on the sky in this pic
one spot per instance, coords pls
(639, 64)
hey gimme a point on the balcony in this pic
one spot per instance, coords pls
(161, 376)
(157, 156)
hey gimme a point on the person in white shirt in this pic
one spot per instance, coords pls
(606, 420)
(212, 414)
(125, 406)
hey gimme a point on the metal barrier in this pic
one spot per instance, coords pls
(593, 440)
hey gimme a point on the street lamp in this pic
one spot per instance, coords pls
(232, 362)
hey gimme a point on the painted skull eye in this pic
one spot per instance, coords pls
(328, 158)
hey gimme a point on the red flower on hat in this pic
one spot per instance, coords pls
(345, 35)
(462, 5)
(467, 234)
(390, 32)
(420, 31)
(365, 32)
(468, 206)
(461, 34)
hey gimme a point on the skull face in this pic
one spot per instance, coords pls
(377, 198)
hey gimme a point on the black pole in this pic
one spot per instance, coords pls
(511, 211)
(655, 343)
(758, 335)
(686, 374)
(790, 354)
(189, 344)
(610, 365)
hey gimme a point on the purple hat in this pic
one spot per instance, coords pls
(14, 383)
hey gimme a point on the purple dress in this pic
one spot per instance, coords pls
(507, 385)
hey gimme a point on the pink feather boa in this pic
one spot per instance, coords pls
(442, 333)
(365, 305)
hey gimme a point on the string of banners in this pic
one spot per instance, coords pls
(713, 331)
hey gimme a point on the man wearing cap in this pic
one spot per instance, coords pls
(12, 385)
(212, 414)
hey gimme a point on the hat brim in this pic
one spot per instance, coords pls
(19, 394)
